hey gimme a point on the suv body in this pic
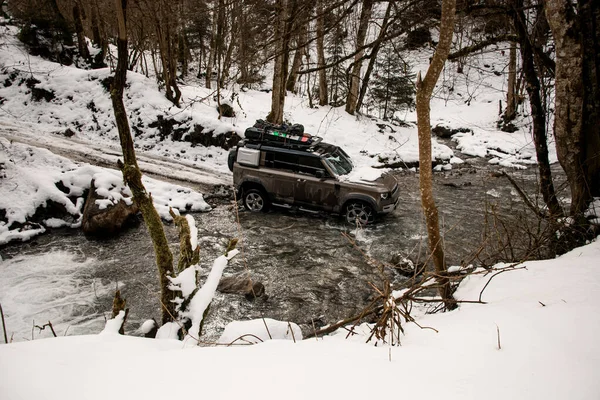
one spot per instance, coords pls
(311, 177)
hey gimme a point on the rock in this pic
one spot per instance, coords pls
(103, 222)
(69, 132)
(226, 111)
(200, 136)
(446, 133)
(405, 266)
(241, 285)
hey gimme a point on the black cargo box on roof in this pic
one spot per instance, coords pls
(281, 135)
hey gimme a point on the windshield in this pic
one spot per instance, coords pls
(339, 162)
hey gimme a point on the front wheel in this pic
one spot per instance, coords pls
(255, 200)
(358, 213)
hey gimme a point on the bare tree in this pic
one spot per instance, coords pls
(424, 90)
(282, 35)
(575, 29)
(511, 95)
(365, 16)
(132, 174)
(323, 100)
(538, 112)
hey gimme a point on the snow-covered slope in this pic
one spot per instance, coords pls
(81, 103)
(536, 338)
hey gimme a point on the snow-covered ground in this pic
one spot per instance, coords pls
(82, 104)
(535, 338)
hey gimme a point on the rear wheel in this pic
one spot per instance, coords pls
(256, 200)
(358, 213)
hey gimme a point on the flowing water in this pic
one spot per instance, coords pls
(312, 272)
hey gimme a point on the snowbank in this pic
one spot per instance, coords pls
(543, 317)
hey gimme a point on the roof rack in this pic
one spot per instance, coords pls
(292, 137)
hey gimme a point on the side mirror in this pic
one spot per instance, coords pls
(320, 174)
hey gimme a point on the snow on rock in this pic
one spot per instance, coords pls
(114, 324)
(170, 330)
(259, 330)
(32, 177)
(148, 326)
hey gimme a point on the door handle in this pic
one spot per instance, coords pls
(301, 180)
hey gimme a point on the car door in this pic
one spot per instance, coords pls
(281, 175)
(315, 192)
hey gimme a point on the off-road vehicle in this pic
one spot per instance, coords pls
(282, 166)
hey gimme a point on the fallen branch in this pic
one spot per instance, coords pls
(49, 324)
(510, 268)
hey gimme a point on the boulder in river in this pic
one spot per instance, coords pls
(241, 285)
(102, 217)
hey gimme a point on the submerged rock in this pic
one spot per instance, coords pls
(241, 285)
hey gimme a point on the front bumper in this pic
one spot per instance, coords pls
(390, 207)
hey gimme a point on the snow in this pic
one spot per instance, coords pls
(147, 326)
(593, 211)
(543, 316)
(169, 331)
(204, 296)
(259, 330)
(31, 175)
(114, 324)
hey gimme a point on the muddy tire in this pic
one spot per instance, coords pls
(359, 213)
(255, 200)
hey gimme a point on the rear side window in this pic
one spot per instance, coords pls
(288, 162)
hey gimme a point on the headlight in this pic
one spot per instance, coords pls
(385, 195)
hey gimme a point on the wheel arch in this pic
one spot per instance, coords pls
(247, 185)
(368, 200)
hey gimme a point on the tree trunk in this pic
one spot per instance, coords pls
(569, 99)
(373, 56)
(365, 16)
(424, 90)
(323, 99)
(81, 44)
(167, 46)
(297, 62)
(212, 51)
(281, 64)
(133, 176)
(537, 111)
(589, 12)
(96, 36)
(183, 53)
(511, 97)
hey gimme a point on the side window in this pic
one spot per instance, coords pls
(310, 165)
(288, 162)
